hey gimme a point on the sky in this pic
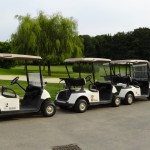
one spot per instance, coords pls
(94, 17)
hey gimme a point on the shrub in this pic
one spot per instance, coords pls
(84, 68)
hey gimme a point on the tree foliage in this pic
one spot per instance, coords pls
(5, 47)
(24, 40)
(59, 43)
(130, 45)
(55, 38)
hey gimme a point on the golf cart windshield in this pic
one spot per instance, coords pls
(137, 69)
(102, 71)
(83, 67)
(34, 79)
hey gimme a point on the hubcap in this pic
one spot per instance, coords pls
(117, 101)
(82, 106)
(50, 109)
(130, 99)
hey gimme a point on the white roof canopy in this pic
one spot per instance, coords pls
(72, 60)
(19, 57)
(131, 61)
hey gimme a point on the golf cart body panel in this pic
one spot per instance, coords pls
(114, 90)
(35, 99)
(9, 104)
(131, 77)
(45, 95)
(76, 94)
(89, 74)
(125, 90)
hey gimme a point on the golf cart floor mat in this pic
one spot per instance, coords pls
(67, 147)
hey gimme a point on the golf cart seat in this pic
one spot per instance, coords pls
(33, 91)
(32, 95)
(74, 81)
(118, 79)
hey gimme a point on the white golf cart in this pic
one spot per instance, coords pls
(131, 78)
(36, 98)
(76, 96)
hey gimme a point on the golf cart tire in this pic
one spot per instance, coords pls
(81, 106)
(48, 109)
(129, 98)
(116, 101)
(148, 95)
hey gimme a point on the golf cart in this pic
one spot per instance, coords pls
(90, 73)
(36, 98)
(131, 78)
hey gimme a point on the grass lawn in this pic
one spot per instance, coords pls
(52, 88)
(56, 71)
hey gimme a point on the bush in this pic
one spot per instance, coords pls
(7, 63)
(85, 68)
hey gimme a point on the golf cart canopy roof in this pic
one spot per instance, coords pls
(131, 61)
(72, 60)
(19, 57)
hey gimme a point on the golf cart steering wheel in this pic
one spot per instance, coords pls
(14, 80)
(88, 78)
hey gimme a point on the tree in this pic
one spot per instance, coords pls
(53, 37)
(5, 47)
(141, 43)
(24, 40)
(61, 38)
(103, 46)
(131, 45)
(89, 46)
(119, 46)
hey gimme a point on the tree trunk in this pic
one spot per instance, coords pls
(49, 69)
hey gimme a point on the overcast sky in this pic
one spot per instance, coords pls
(94, 17)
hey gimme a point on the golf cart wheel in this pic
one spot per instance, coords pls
(116, 101)
(81, 106)
(48, 109)
(148, 97)
(129, 98)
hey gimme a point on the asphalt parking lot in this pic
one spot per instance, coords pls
(99, 128)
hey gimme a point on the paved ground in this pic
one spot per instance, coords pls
(100, 128)
(23, 78)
